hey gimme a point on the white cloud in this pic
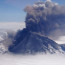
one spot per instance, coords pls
(49, 0)
(12, 25)
(61, 40)
(32, 59)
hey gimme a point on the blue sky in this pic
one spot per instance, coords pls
(13, 10)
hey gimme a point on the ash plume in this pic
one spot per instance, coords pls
(45, 17)
(42, 19)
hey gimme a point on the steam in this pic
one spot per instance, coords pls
(45, 17)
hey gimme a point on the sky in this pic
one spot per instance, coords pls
(13, 10)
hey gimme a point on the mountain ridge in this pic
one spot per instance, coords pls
(34, 43)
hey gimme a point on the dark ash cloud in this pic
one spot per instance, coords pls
(45, 17)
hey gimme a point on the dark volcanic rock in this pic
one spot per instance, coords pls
(63, 47)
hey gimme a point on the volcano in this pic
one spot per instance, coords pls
(31, 42)
(34, 38)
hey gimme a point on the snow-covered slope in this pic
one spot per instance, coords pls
(3, 36)
(6, 37)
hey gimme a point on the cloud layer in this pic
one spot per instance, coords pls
(12, 25)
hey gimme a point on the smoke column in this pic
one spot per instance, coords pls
(45, 18)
